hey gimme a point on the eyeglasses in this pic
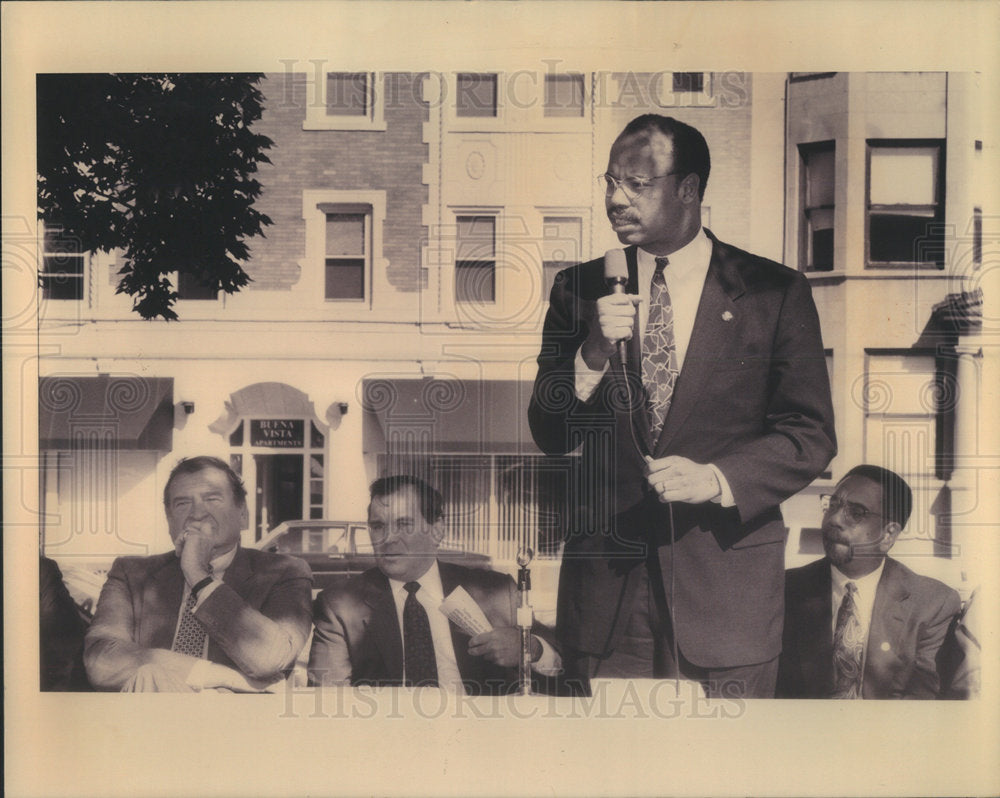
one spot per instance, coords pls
(854, 513)
(632, 186)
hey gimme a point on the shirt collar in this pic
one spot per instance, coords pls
(430, 584)
(223, 561)
(695, 254)
(840, 579)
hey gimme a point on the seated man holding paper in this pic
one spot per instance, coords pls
(416, 621)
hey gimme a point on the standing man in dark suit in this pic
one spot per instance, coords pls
(384, 627)
(859, 624)
(719, 410)
(209, 614)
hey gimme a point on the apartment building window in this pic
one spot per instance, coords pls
(801, 77)
(682, 89)
(344, 263)
(475, 259)
(564, 95)
(62, 271)
(562, 238)
(347, 93)
(689, 81)
(344, 101)
(476, 95)
(906, 203)
(193, 286)
(817, 202)
(347, 252)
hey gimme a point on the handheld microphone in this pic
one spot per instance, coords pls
(616, 276)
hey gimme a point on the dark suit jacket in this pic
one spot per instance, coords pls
(357, 637)
(257, 620)
(910, 618)
(753, 397)
(61, 631)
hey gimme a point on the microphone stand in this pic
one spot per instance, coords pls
(525, 618)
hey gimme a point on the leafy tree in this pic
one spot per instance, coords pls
(159, 166)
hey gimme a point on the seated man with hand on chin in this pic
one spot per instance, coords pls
(209, 614)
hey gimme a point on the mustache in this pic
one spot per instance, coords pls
(618, 219)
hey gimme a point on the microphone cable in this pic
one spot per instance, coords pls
(670, 523)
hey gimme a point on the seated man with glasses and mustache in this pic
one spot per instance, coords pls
(859, 624)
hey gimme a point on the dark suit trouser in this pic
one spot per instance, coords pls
(647, 651)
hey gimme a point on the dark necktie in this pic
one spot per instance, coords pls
(848, 647)
(418, 646)
(190, 637)
(659, 351)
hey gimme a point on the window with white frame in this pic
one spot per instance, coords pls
(685, 89)
(343, 248)
(562, 238)
(346, 261)
(475, 259)
(345, 101)
(906, 203)
(347, 94)
(475, 95)
(564, 95)
(817, 186)
(63, 261)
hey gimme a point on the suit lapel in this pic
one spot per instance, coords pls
(239, 572)
(161, 605)
(384, 625)
(710, 338)
(237, 576)
(885, 634)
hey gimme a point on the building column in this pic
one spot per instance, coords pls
(973, 479)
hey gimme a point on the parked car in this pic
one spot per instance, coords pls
(337, 550)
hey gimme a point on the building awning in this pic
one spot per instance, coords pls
(446, 416)
(106, 412)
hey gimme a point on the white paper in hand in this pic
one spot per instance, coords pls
(463, 611)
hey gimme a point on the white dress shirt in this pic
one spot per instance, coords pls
(685, 278)
(867, 586)
(430, 596)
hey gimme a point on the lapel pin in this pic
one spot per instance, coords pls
(885, 646)
(727, 316)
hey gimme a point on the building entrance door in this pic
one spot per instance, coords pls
(279, 490)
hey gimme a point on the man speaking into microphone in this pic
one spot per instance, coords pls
(716, 409)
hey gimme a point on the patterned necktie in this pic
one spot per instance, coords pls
(418, 646)
(190, 637)
(659, 352)
(848, 647)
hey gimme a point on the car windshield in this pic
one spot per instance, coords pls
(318, 537)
